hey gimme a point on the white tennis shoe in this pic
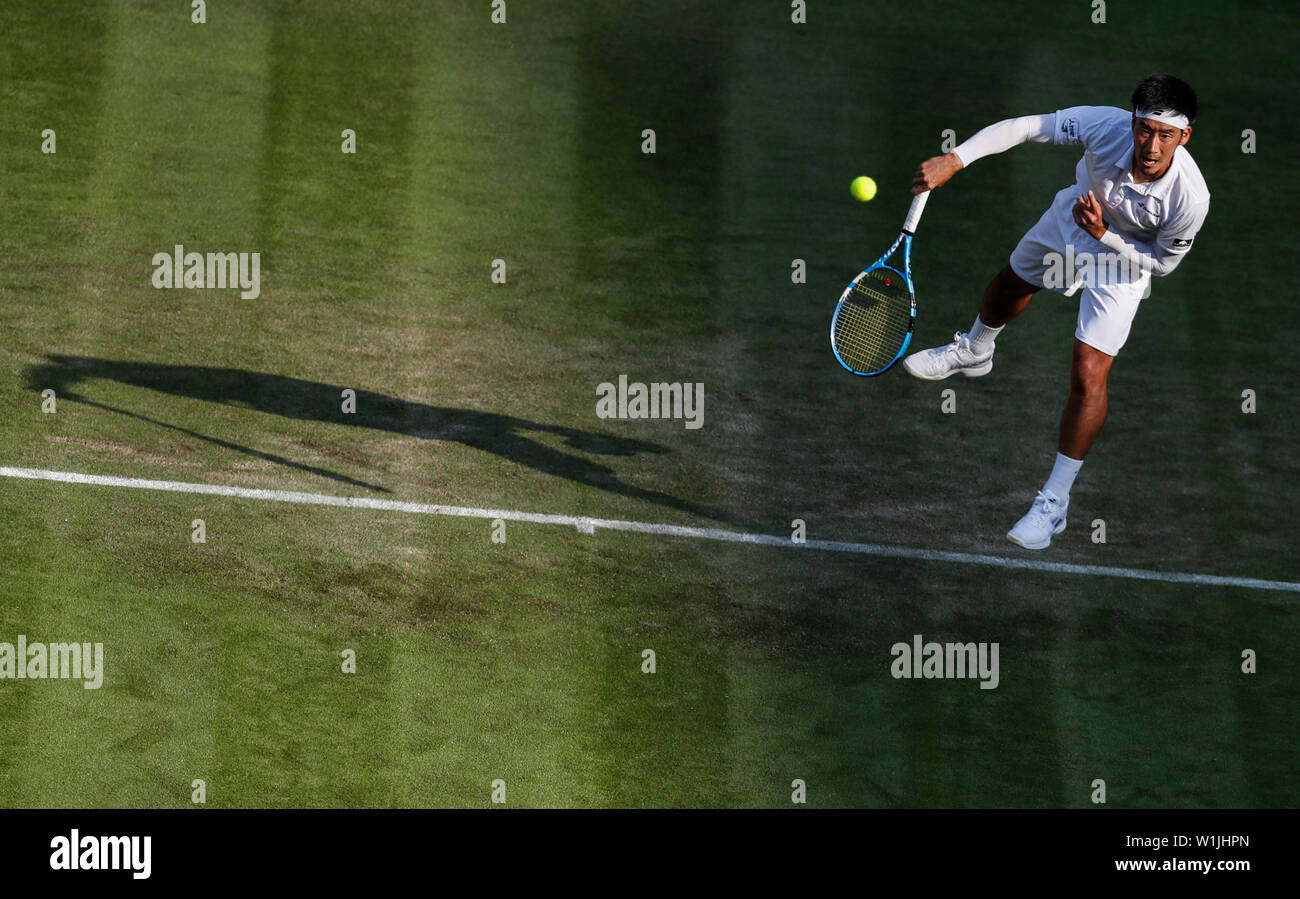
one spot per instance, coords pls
(946, 361)
(1045, 519)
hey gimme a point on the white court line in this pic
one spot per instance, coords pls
(589, 525)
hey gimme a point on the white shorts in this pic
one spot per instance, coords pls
(1056, 251)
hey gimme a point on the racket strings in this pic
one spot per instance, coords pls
(873, 322)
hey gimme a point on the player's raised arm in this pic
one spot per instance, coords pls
(996, 138)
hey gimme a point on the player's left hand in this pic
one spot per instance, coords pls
(1087, 213)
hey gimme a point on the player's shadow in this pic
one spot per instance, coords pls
(506, 436)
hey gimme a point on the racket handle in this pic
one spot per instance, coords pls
(914, 214)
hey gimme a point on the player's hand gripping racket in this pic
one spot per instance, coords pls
(873, 320)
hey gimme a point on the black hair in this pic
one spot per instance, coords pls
(1161, 91)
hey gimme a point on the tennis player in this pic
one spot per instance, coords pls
(1133, 212)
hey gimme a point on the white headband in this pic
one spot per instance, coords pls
(1167, 116)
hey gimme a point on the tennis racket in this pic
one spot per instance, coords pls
(873, 320)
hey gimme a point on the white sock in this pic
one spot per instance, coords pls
(1063, 474)
(982, 337)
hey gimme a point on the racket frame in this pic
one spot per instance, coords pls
(904, 238)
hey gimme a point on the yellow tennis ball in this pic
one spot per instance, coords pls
(863, 188)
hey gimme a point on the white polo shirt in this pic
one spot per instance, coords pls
(1152, 225)
(1155, 219)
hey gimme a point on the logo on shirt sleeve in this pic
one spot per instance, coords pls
(1182, 243)
(1070, 128)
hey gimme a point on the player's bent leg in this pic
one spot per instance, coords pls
(971, 354)
(1006, 297)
